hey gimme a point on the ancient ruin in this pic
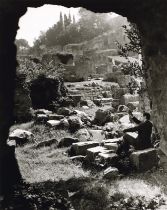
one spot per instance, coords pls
(150, 18)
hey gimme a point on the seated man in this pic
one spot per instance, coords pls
(143, 140)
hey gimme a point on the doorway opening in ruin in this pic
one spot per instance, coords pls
(45, 145)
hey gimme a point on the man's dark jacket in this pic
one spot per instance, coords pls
(144, 133)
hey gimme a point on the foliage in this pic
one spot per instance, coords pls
(133, 46)
(67, 30)
(33, 69)
(22, 45)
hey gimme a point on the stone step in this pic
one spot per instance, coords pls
(116, 140)
(93, 152)
(111, 146)
(144, 160)
(53, 123)
(80, 148)
(111, 173)
(109, 158)
(79, 158)
(55, 117)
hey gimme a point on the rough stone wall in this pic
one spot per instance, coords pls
(151, 19)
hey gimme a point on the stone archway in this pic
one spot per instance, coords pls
(150, 16)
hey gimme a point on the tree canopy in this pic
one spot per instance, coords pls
(67, 30)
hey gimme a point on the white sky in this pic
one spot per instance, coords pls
(40, 19)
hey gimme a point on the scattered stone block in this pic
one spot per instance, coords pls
(80, 148)
(79, 158)
(108, 158)
(42, 111)
(21, 136)
(115, 103)
(83, 135)
(109, 126)
(116, 140)
(53, 123)
(67, 141)
(133, 105)
(85, 107)
(55, 117)
(76, 98)
(97, 134)
(123, 108)
(125, 99)
(64, 124)
(144, 160)
(64, 111)
(75, 123)
(41, 118)
(103, 116)
(103, 101)
(111, 146)
(93, 152)
(111, 173)
(88, 103)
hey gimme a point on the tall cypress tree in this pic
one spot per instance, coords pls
(61, 21)
(69, 18)
(74, 19)
(65, 21)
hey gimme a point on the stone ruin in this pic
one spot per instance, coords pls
(150, 17)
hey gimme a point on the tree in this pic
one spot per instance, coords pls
(133, 46)
(22, 45)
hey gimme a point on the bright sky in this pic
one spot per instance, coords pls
(40, 19)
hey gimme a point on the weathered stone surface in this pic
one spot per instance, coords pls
(55, 117)
(133, 105)
(80, 148)
(144, 159)
(93, 152)
(129, 98)
(116, 140)
(67, 141)
(47, 143)
(107, 158)
(111, 173)
(88, 103)
(79, 158)
(109, 126)
(42, 111)
(123, 108)
(53, 123)
(75, 123)
(83, 134)
(41, 118)
(98, 135)
(64, 111)
(75, 98)
(64, 124)
(82, 115)
(85, 107)
(103, 101)
(103, 116)
(111, 146)
(21, 136)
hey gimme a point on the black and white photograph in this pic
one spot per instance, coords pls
(83, 105)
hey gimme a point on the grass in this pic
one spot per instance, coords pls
(51, 174)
